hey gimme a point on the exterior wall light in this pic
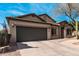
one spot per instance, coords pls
(12, 25)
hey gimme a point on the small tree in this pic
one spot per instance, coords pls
(70, 10)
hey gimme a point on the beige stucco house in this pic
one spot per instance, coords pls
(34, 27)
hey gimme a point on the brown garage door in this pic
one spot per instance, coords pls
(30, 34)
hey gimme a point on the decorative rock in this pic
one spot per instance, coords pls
(3, 49)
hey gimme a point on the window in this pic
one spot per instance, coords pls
(53, 31)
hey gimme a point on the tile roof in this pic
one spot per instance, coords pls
(47, 18)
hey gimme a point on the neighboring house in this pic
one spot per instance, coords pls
(66, 29)
(34, 27)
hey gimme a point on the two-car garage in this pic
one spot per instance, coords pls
(28, 28)
(30, 34)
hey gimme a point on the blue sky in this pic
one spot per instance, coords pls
(16, 9)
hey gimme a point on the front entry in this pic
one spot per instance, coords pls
(68, 32)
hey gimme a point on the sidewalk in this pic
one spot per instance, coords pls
(69, 42)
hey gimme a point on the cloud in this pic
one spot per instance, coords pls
(15, 12)
(1, 27)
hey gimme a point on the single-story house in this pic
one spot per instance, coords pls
(29, 28)
(34, 27)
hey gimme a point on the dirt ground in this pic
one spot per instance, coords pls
(11, 50)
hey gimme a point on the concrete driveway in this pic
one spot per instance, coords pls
(60, 47)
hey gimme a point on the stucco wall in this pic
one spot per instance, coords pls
(58, 33)
(13, 25)
(12, 31)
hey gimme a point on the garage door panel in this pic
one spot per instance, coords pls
(31, 34)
